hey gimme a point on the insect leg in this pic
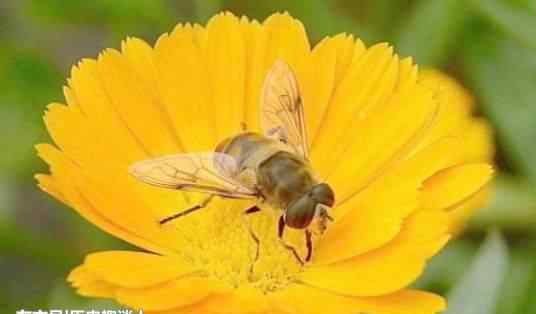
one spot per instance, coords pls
(309, 244)
(249, 211)
(252, 210)
(203, 204)
(281, 229)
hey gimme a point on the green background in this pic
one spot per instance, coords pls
(489, 45)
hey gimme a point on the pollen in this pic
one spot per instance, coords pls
(218, 241)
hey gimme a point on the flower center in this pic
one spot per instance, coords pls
(217, 239)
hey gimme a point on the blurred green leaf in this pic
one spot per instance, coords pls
(7, 198)
(515, 289)
(445, 269)
(207, 8)
(478, 291)
(520, 23)
(20, 162)
(379, 15)
(28, 81)
(503, 74)
(123, 16)
(529, 304)
(321, 18)
(513, 208)
(524, 4)
(27, 78)
(38, 248)
(431, 31)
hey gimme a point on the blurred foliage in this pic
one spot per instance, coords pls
(119, 17)
(490, 45)
(438, 23)
(26, 79)
(503, 72)
(485, 274)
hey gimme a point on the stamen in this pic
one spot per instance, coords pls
(217, 240)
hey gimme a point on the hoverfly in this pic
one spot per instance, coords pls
(272, 167)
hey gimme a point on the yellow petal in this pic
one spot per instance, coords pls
(174, 294)
(244, 299)
(135, 105)
(374, 216)
(135, 269)
(339, 123)
(189, 309)
(279, 37)
(389, 268)
(66, 173)
(460, 214)
(126, 210)
(185, 97)
(402, 123)
(347, 48)
(71, 98)
(69, 129)
(304, 299)
(287, 40)
(454, 185)
(225, 59)
(456, 117)
(318, 85)
(479, 145)
(87, 284)
(255, 44)
(140, 58)
(48, 184)
(141, 280)
(459, 99)
(80, 276)
(97, 289)
(101, 114)
(408, 75)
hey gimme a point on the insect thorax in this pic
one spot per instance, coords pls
(284, 178)
(280, 175)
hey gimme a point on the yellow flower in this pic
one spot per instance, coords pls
(378, 135)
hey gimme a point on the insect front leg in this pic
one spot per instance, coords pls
(249, 211)
(281, 230)
(309, 243)
(203, 204)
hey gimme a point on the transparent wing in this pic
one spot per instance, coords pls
(212, 173)
(281, 109)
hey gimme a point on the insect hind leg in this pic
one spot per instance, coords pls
(202, 205)
(255, 238)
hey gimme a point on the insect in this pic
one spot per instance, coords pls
(272, 167)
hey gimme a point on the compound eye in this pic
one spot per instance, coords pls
(323, 194)
(300, 214)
